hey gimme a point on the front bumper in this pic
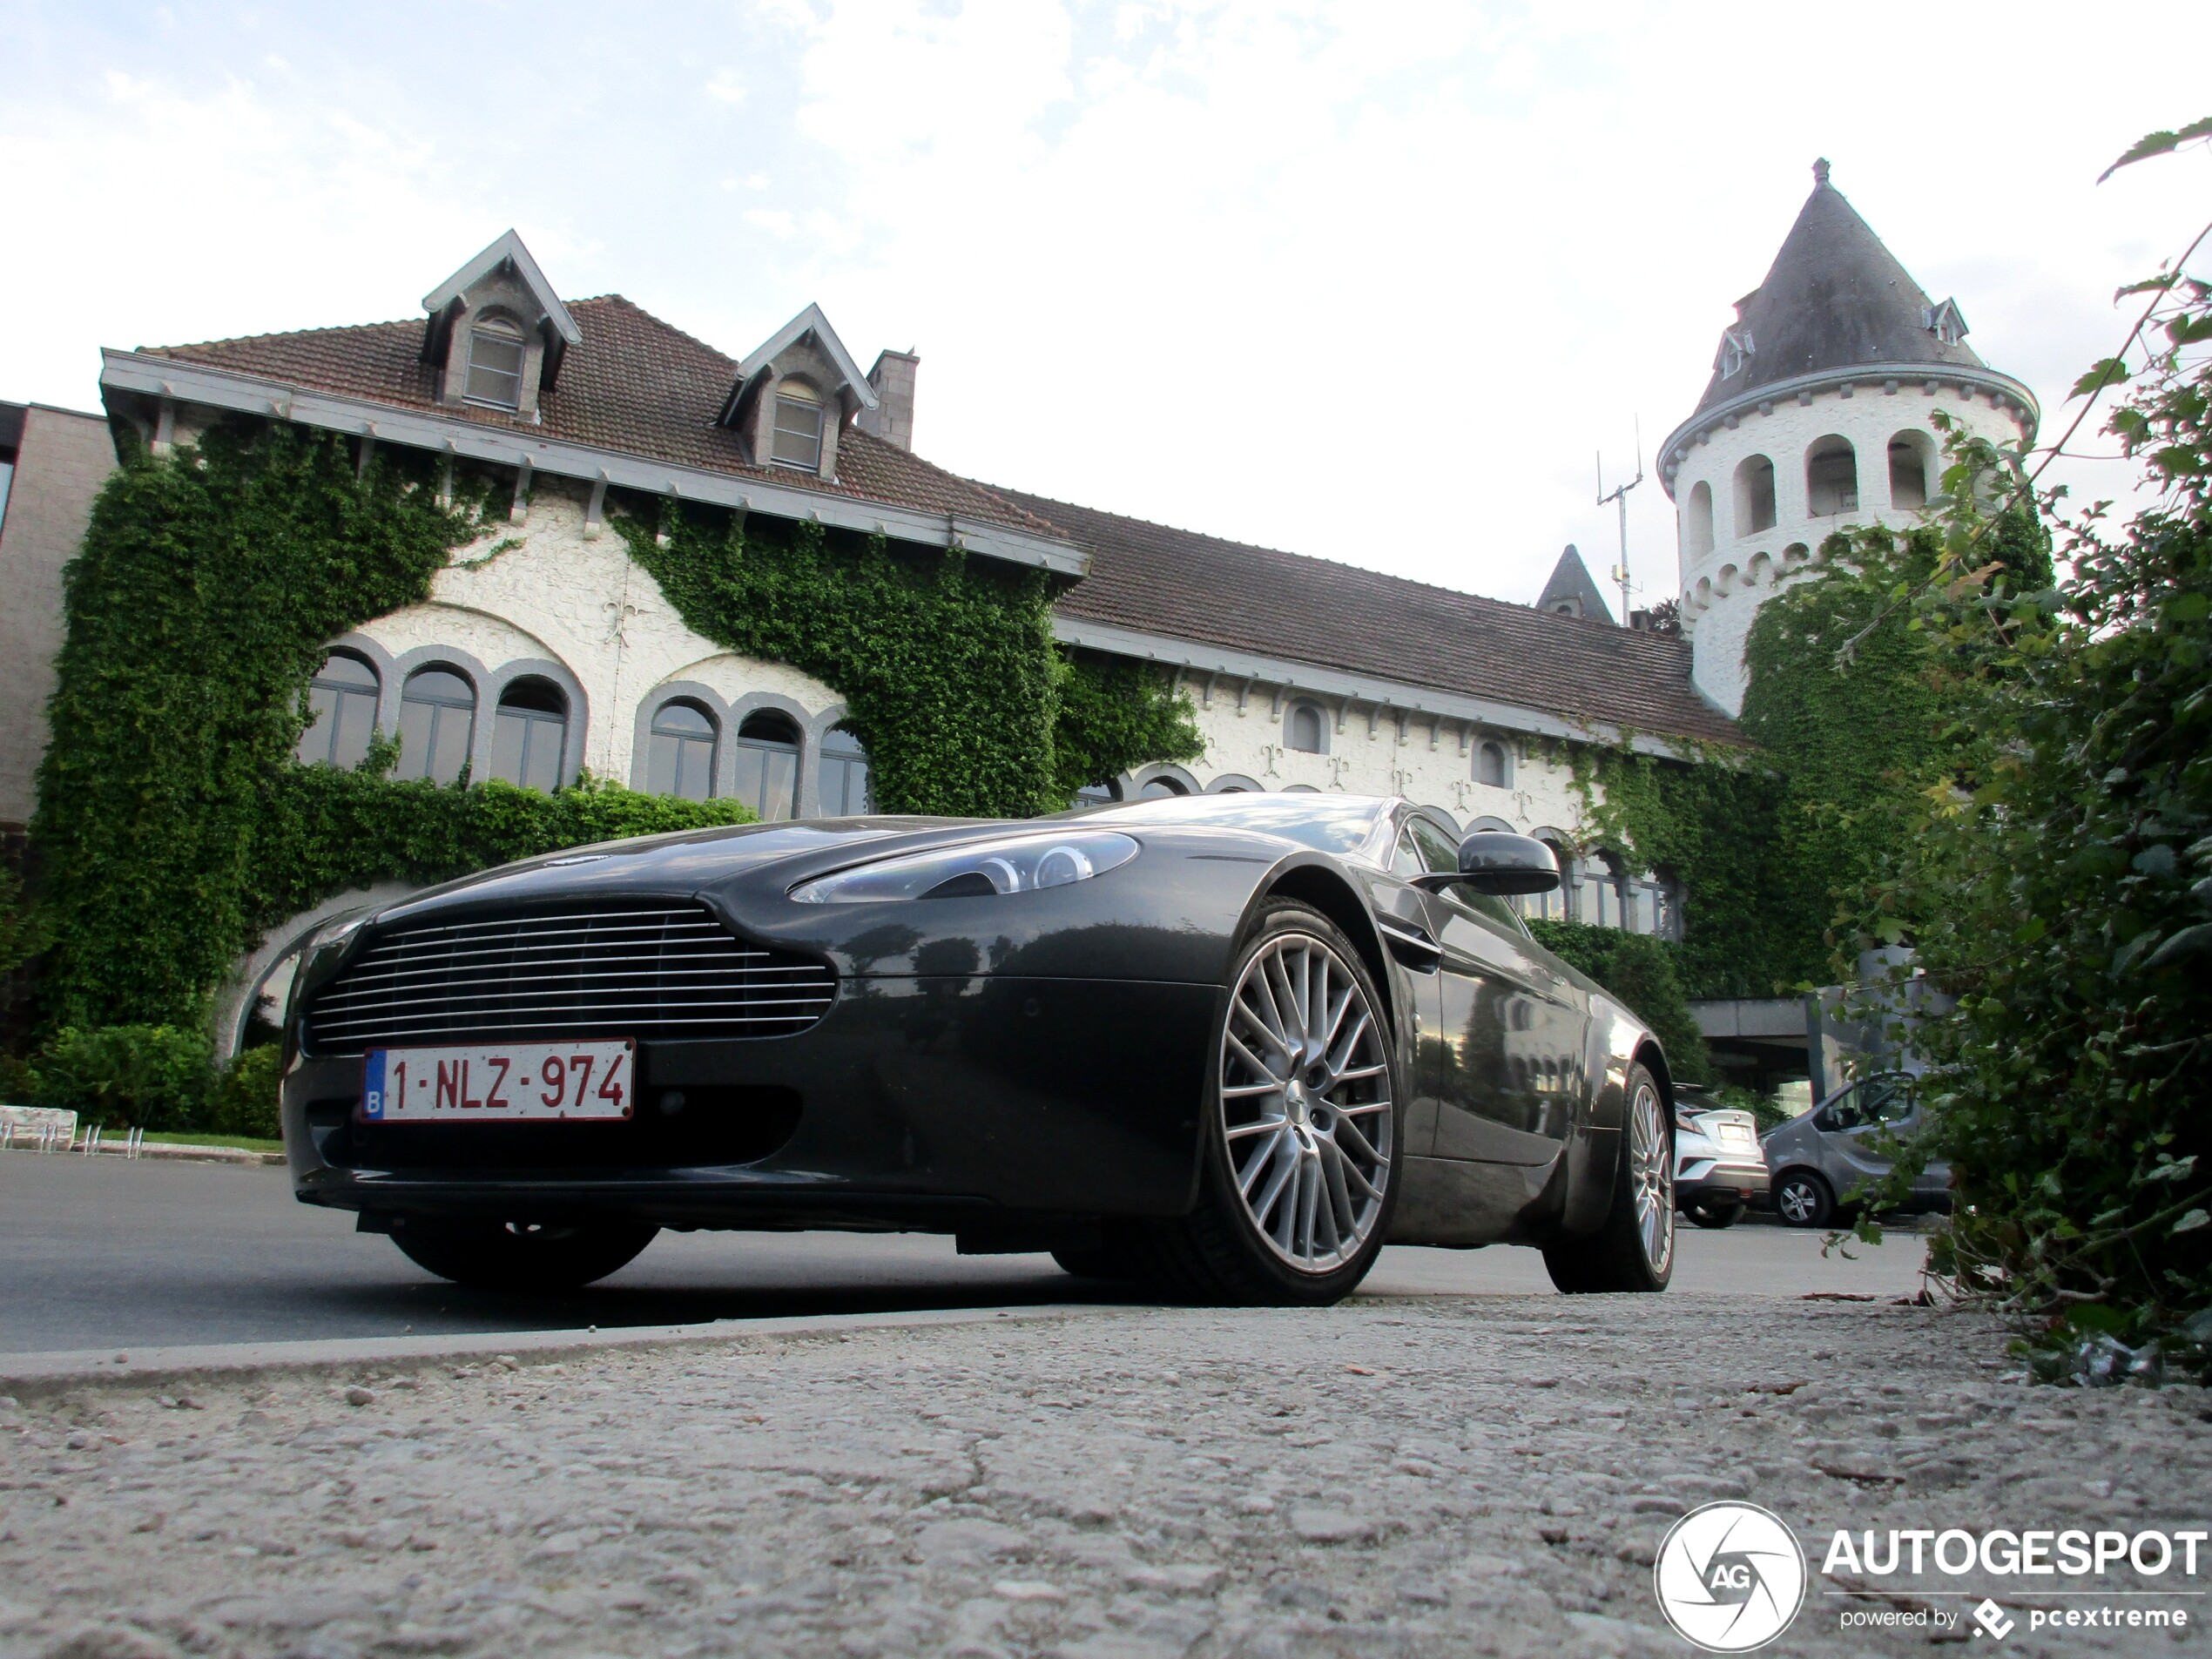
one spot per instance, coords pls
(935, 1103)
(1722, 1180)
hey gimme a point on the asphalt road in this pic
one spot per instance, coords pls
(105, 1253)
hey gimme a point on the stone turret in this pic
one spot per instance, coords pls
(1818, 418)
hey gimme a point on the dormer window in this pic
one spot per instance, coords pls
(799, 427)
(1736, 351)
(1946, 322)
(495, 353)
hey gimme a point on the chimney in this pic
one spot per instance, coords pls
(893, 418)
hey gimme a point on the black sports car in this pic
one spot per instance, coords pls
(1223, 1046)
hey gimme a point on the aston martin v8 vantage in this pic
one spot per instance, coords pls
(1224, 1048)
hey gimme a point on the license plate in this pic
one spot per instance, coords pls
(507, 1082)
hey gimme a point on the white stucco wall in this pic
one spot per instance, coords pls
(1427, 765)
(1722, 589)
(583, 603)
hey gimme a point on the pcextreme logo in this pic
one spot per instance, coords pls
(1730, 1577)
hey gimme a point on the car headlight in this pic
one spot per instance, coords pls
(1022, 864)
(337, 931)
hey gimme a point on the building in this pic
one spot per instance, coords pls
(545, 651)
(1818, 417)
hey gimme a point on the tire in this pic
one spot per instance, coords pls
(521, 1257)
(1802, 1198)
(1633, 1248)
(1716, 1216)
(1301, 1133)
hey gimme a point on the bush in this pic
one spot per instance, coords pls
(1642, 972)
(127, 1076)
(18, 1082)
(244, 1100)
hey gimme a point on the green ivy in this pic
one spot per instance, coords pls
(948, 666)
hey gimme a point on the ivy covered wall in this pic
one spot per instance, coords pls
(175, 825)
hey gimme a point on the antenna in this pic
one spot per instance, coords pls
(1620, 498)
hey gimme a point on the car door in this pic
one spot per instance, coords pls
(1509, 1069)
(1851, 1126)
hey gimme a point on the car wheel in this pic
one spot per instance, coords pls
(1301, 1133)
(1634, 1247)
(1803, 1199)
(1716, 1216)
(516, 1256)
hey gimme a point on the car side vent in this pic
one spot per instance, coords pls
(650, 972)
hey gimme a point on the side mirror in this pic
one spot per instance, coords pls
(1497, 861)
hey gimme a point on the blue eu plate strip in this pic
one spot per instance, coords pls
(373, 1085)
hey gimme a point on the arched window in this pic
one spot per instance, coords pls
(529, 730)
(1754, 495)
(680, 757)
(342, 697)
(798, 425)
(496, 351)
(1831, 477)
(1492, 766)
(1160, 788)
(845, 775)
(1909, 454)
(1698, 521)
(437, 723)
(1603, 891)
(767, 766)
(1307, 730)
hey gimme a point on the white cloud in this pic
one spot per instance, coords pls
(726, 87)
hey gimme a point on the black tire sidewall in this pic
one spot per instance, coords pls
(1217, 1176)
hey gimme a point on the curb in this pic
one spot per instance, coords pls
(36, 1375)
(167, 1151)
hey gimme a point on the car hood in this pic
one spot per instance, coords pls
(688, 861)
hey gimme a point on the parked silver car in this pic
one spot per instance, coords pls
(1719, 1167)
(1822, 1157)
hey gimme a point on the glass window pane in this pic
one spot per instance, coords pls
(799, 432)
(440, 685)
(354, 725)
(752, 775)
(510, 735)
(495, 367)
(682, 719)
(450, 743)
(779, 793)
(1440, 853)
(339, 670)
(415, 739)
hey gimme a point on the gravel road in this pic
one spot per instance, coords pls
(1415, 1475)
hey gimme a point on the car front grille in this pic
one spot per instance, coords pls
(640, 970)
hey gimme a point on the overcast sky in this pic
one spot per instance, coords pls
(1371, 281)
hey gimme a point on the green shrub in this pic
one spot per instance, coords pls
(244, 1099)
(127, 1076)
(1641, 971)
(18, 1082)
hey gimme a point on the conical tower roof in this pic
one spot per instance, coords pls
(1571, 590)
(1834, 298)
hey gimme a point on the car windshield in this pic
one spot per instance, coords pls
(1326, 823)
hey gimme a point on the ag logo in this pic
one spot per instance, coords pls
(1730, 1577)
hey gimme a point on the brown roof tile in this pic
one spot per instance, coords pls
(1153, 579)
(636, 386)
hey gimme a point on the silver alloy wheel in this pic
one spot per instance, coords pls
(1305, 1103)
(1651, 1174)
(1797, 1201)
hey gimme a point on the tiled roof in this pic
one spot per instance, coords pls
(1152, 579)
(635, 386)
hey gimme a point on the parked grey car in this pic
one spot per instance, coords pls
(1821, 1158)
(1719, 1166)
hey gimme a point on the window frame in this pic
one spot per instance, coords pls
(372, 693)
(685, 741)
(441, 709)
(531, 720)
(506, 332)
(801, 397)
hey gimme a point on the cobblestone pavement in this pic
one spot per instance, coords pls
(1394, 1476)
